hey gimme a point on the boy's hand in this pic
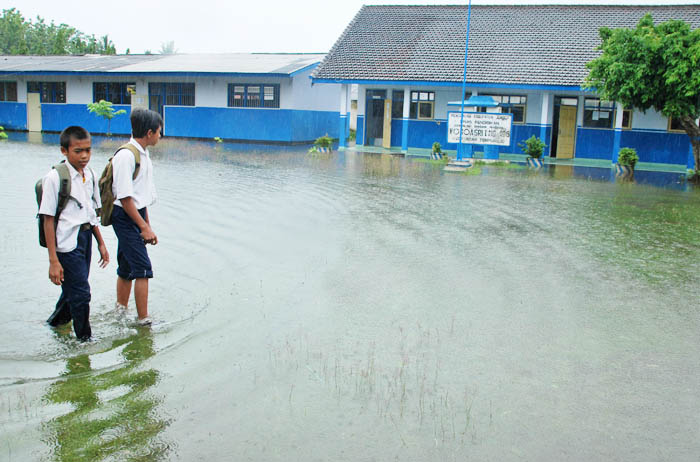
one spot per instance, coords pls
(148, 236)
(56, 272)
(104, 256)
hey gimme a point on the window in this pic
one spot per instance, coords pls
(114, 92)
(626, 119)
(674, 125)
(8, 91)
(512, 104)
(397, 104)
(51, 92)
(253, 95)
(422, 104)
(598, 114)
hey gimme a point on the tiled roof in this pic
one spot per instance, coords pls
(529, 45)
(223, 63)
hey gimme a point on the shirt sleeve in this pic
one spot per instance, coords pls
(123, 166)
(49, 196)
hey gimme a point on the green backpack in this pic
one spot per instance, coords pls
(63, 196)
(106, 180)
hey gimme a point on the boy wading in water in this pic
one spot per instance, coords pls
(130, 219)
(69, 241)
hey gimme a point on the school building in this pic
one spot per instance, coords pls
(241, 96)
(408, 64)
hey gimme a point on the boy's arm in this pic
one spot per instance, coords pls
(104, 255)
(55, 268)
(147, 234)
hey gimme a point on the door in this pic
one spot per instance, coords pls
(566, 134)
(374, 112)
(34, 112)
(386, 136)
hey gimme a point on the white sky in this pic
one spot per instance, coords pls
(220, 26)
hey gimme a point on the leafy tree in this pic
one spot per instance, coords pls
(168, 48)
(105, 110)
(653, 66)
(21, 37)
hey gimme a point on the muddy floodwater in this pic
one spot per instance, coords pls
(363, 307)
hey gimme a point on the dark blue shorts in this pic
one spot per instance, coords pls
(132, 257)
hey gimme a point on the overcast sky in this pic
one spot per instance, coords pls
(220, 26)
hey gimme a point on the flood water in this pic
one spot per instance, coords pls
(351, 307)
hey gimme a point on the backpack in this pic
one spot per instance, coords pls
(64, 196)
(106, 180)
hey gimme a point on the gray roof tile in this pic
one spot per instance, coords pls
(533, 45)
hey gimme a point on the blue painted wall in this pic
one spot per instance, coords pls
(13, 116)
(56, 117)
(360, 135)
(280, 125)
(657, 146)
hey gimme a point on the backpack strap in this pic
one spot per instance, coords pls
(64, 185)
(137, 157)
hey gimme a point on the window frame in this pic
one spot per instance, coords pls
(629, 113)
(598, 107)
(418, 101)
(124, 93)
(4, 90)
(246, 99)
(669, 126)
(49, 91)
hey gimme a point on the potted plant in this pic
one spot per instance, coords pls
(322, 144)
(626, 160)
(533, 147)
(436, 154)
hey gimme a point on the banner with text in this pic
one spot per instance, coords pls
(480, 128)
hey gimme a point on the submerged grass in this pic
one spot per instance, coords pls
(122, 428)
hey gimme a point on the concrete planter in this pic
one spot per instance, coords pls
(624, 171)
(534, 162)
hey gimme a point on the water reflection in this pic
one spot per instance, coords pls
(113, 416)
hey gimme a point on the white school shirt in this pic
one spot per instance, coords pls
(72, 215)
(142, 190)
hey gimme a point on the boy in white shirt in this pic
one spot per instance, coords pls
(69, 241)
(130, 218)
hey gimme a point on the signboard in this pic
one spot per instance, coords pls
(480, 128)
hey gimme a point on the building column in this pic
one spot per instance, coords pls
(404, 121)
(342, 132)
(544, 119)
(619, 112)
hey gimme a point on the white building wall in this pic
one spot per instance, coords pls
(319, 97)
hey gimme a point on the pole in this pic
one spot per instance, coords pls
(464, 82)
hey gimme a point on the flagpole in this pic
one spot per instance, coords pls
(464, 81)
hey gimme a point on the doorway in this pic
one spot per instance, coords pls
(564, 127)
(374, 112)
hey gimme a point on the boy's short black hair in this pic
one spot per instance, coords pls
(74, 132)
(143, 120)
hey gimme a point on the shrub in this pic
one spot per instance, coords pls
(533, 147)
(437, 148)
(628, 157)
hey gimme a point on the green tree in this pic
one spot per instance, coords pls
(21, 37)
(105, 109)
(652, 66)
(168, 48)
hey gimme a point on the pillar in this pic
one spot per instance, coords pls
(404, 121)
(342, 133)
(619, 112)
(544, 119)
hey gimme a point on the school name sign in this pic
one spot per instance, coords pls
(480, 128)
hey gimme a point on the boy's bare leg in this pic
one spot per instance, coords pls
(141, 297)
(123, 291)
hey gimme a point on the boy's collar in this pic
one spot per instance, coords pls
(74, 171)
(138, 145)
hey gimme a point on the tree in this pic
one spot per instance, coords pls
(652, 66)
(168, 48)
(105, 110)
(21, 37)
